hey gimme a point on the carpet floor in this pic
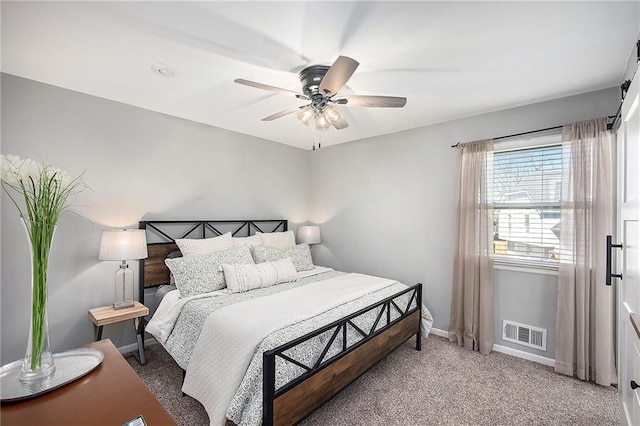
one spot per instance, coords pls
(441, 385)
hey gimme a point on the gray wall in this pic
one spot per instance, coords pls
(138, 165)
(386, 206)
(528, 298)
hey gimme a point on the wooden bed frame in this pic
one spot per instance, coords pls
(327, 377)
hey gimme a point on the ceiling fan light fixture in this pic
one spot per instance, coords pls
(321, 122)
(332, 114)
(320, 84)
(306, 114)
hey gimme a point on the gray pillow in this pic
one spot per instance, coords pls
(161, 292)
(199, 274)
(300, 255)
(174, 254)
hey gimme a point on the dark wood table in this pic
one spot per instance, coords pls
(112, 394)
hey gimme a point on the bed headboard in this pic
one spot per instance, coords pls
(161, 236)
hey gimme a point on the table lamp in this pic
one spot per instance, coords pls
(309, 234)
(123, 245)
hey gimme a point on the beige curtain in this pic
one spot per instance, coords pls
(585, 316)
(471, 321)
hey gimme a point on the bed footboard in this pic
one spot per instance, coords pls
(295, 400)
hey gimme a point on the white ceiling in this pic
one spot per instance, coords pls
(450, 59)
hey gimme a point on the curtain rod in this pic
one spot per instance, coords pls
(609, 127)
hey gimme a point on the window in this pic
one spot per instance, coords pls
(525, 195)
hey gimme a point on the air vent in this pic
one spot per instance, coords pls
(524, 334)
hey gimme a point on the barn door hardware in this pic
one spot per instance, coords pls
(610, 246)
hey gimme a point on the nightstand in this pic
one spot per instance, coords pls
(106, 315)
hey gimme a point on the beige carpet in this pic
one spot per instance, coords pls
(441, 385)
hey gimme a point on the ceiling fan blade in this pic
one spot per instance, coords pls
(281, 113)
(341, 123)
(372, 101)
(336, 77)
(269, 88)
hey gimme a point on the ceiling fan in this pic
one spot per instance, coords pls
(320, 85)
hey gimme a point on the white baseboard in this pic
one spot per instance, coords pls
(134, 346)
(509, 351)
(525, 355)
(438, 332)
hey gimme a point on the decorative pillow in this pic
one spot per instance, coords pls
(201, 274)
(252, 241)
(193, 247)
(300, 255)
(173, 255)
(278, 239)
(241, 278)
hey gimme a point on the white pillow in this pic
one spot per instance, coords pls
(278, 239)
(193, 247)
(241, 278)
(252, 241)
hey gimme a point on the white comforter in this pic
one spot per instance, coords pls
(224, 369)
(227, 344)
(165, 316)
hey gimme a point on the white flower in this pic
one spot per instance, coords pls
(14, 170)
(28, 171)
(61, 177)
(9, 169)
(43, 188)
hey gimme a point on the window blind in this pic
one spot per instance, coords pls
(524, 190)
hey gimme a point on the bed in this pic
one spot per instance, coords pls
(273, 355)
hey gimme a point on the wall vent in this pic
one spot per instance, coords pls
(524, 334)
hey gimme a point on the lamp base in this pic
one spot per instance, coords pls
(122, 305)
(124, 287)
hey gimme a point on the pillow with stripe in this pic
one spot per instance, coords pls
(241, 278)
(300, 255)
(195, 247)
(200, 274)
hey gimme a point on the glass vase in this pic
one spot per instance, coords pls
(38, 360)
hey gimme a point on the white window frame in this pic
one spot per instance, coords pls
(548, 138)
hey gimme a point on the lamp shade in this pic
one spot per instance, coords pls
(306, 114)
(332, 113)
(123, 244)
(309, 234)
(321, 122)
